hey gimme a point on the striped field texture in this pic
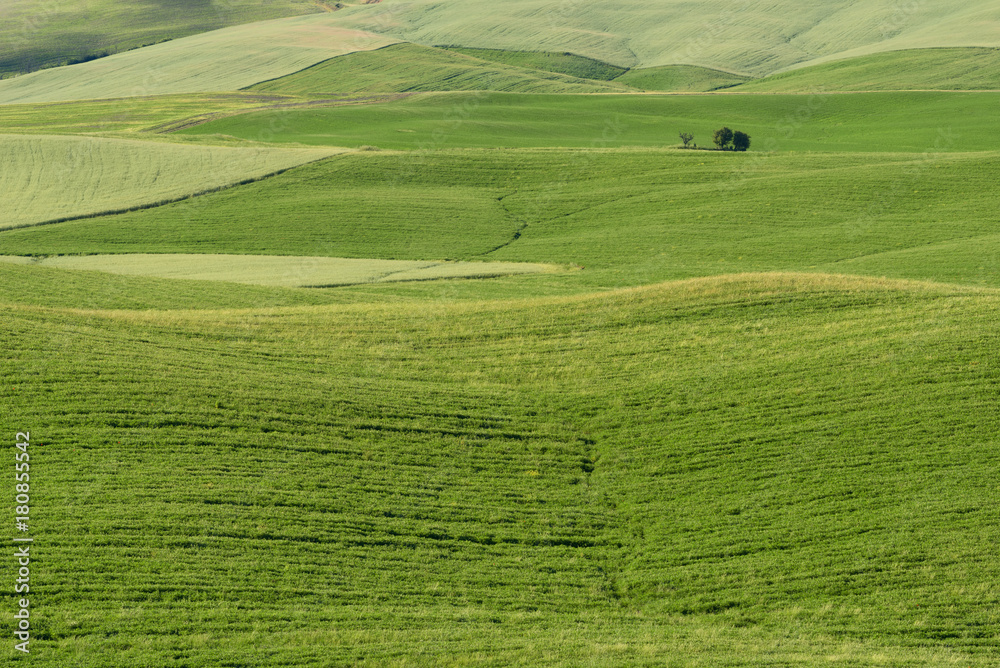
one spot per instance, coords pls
(48, 178)
(221, 60)
(742, 35)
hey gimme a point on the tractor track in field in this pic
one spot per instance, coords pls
(517, 233)
(201, 119)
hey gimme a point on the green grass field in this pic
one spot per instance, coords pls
(629, 217)
(154, 117)
(912, 122)
(217, 61)
(688, 469)
(37, 33)
(676, 78)
(563, 63)
(412, 68)
(680, 78)
(46, 179)
(125, 115)
(326, 373)
(919, 69)
(748, 37)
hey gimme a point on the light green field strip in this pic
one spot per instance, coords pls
(281, 271)
(50, 178)
(974, 260)
(918, 25)
(913, 69)
(680, 78)
(411, 67)
(221, 60)
(749, 37)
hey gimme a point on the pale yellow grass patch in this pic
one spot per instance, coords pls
(276, 270)
(220, 60)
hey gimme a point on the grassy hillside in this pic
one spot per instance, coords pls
(409, 67)
(37, 33)
(158, 114)
(124, 115)
(628, 217)
(680, 78)
(918, 69)
(869, 122)
(521, 383)
(221, 60)
(341, 208)
(51, 178)
(46, 286)
(688, 469)
(564, 63)
(752, 37)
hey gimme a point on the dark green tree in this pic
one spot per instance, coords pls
(741, 141)
(686, 137)
(723, 137)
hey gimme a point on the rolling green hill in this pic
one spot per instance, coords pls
(918, 69)
(687, 469)
(409, 67)
(629, 217)
(152, 116)
(680, 78)
(564, 63)
(217, 61)
(518, 382)
(860, 122)
(38, 33)
(51, 178)
(751, 37)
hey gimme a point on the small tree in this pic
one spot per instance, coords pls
(741, 141)
(686, 137)
(723, 137)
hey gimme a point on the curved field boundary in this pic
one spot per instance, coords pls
(47, 179)
(37, 34)
(406, 67)
(221, 60)
(720, 34)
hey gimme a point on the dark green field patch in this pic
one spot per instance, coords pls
(550, 61)
(414, 68)
(681, 78)
(864, 122)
